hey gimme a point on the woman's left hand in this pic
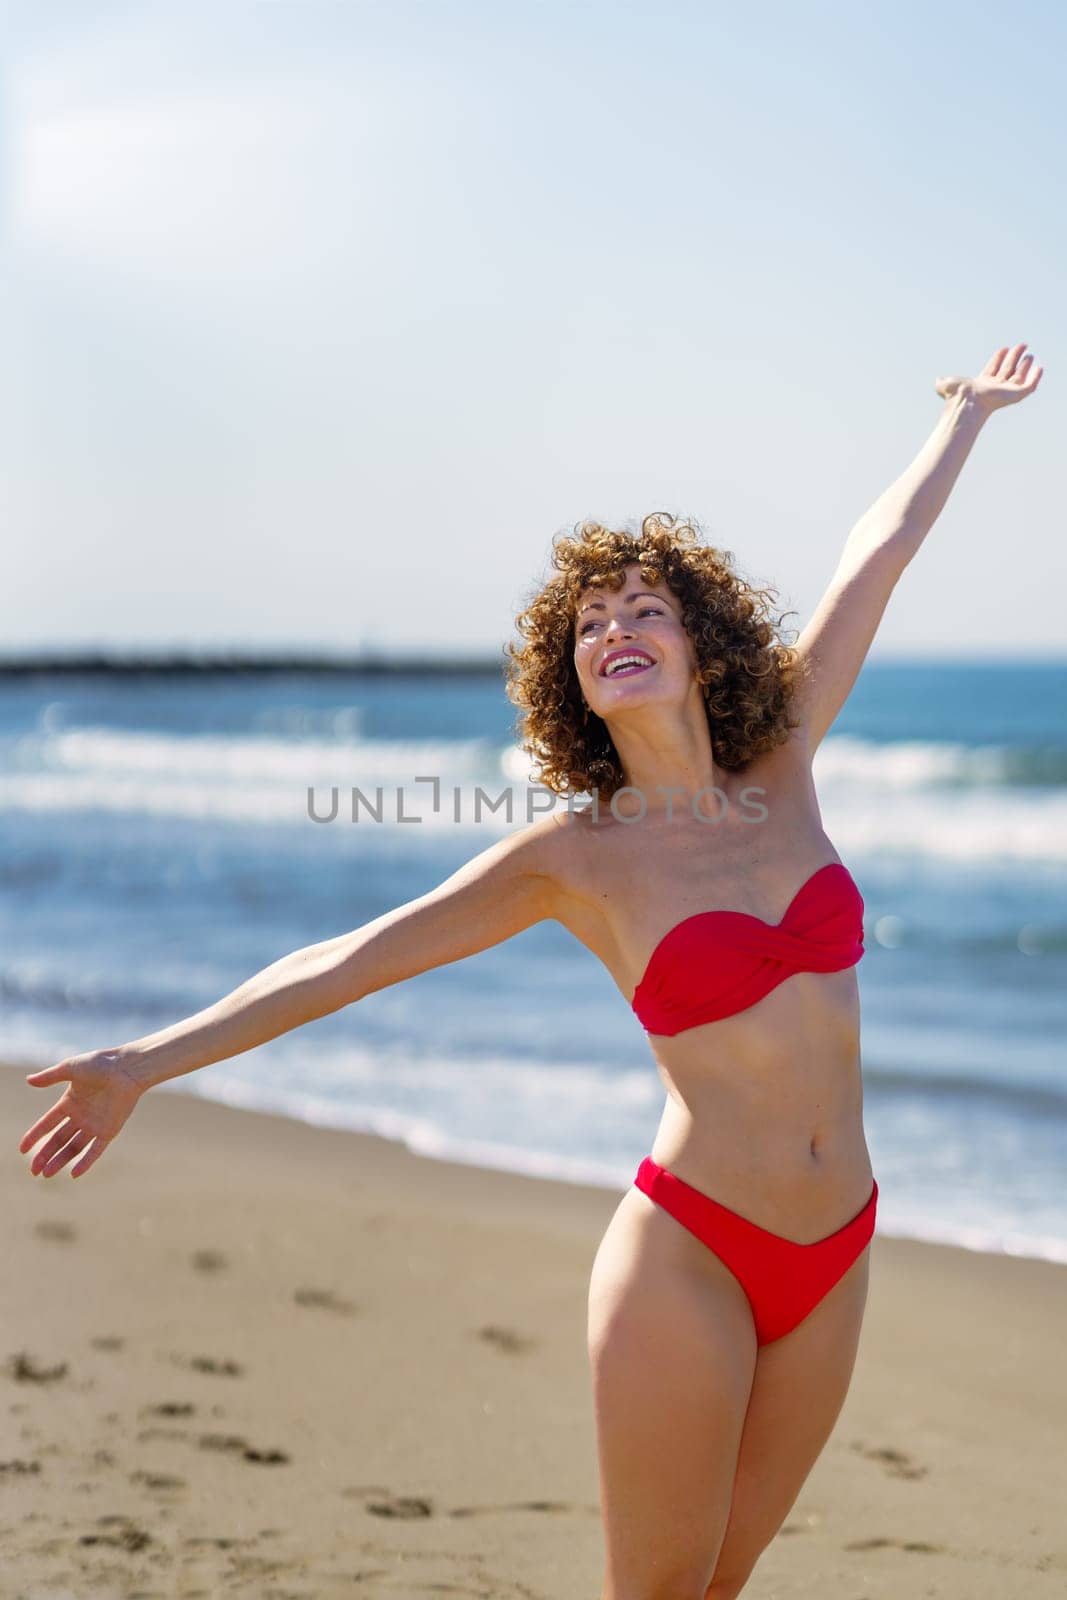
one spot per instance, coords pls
(98, 1102)
(1007, 377)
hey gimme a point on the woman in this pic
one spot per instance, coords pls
(728, 1292)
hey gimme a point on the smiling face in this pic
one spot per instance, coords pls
(630, 645)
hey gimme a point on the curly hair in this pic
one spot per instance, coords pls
(748, 676)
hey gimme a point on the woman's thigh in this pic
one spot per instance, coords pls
(672, 1349)
(798, 1390)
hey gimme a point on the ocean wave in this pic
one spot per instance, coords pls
(264, 779)
(931, 765)
(1036, 1099)
(966, 828)
(35, 984)
(949, 801)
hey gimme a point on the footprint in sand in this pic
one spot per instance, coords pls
(126, 1536)
(239, 1446)
(383, 1502)
(325, 1299)
(24, 1369)
(221, 1369)
(555, 1507)
(209, 1260)
(157, 1480)
(401, 1506)
(211, 1364)
(505, 1339)
(918, 1545)
(896, 1463)
(51, 1228)
(222, 1441)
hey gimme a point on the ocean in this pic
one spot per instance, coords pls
(159, 844)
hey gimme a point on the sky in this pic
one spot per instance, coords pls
(320, 320)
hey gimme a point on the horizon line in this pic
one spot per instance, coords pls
(378, 661)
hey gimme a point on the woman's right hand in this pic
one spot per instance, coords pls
(1007, 377)
(92, 1110)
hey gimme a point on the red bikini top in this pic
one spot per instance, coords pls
(715, 963)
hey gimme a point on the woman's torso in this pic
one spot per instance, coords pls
(764, 1107)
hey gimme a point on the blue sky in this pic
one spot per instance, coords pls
(321, 319)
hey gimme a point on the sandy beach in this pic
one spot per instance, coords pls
(245, 1356)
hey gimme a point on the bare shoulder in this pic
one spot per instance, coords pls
(551, 849)
(565, 851)
(581, 872)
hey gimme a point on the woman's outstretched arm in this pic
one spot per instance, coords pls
(834, 644)
(506, 888)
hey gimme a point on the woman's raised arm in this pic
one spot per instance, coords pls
(506, 888)
(834, 644)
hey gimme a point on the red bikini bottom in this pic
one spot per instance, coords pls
(783, 1280)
